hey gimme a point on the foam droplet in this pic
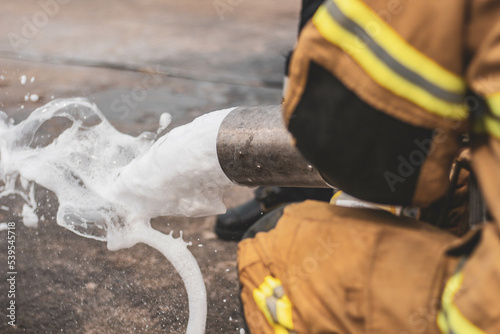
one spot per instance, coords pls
(30, 219)
(165, 120)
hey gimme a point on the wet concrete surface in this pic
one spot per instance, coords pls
(135, 60)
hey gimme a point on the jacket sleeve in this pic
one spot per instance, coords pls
(483, 78)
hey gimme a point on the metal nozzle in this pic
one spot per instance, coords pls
(255, 149)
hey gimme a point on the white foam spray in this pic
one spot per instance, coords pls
(109, 185)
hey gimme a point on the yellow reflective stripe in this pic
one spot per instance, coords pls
(283, 305)
(494, 103)
(491, 124)
(442, 324)
(399, 48)
(272, 283)
(451, 320)
(380, 72)
(284, 312)
(260, 299)
(488, 124)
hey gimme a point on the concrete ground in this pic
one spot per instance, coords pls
(135, 60)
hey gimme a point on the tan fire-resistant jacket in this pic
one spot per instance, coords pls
(430, 64)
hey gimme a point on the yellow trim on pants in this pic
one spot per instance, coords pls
(450, 319)
(280, 315)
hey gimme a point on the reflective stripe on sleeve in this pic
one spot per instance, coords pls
(489, 122)
(389, 60)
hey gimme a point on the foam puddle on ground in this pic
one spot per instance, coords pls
(109, 184)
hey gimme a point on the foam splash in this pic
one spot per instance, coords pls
(109, 184)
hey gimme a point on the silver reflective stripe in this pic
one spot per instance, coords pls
(279, 292)
(388, 60)
(271, 306)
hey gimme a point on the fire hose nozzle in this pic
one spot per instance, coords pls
(255, 149)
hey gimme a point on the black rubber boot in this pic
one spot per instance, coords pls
(236, 221)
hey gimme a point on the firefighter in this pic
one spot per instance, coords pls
(381, 94)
